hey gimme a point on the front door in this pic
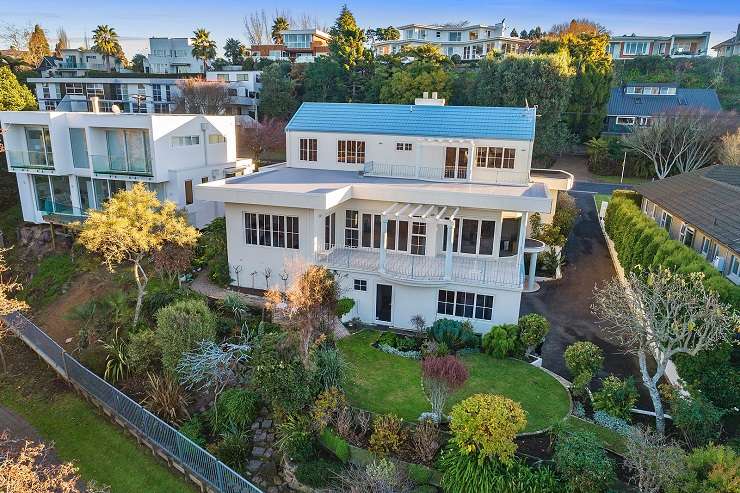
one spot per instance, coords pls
(456, 162)
(383, 302)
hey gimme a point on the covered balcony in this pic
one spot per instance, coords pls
(30, 159)
(106, 164)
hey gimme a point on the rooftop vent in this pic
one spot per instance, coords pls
(425, 100)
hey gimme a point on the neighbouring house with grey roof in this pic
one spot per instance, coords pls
(729, 47)
(700, 209)
(420, 209)
(636, 104)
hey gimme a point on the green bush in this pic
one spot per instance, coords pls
(220, 271)
(630, 195)
(388, 435)
(234, 448)
(143, 352)
(713, 374)
(335, 444)
(344, 306)
(713, 469)
(331, 368)
(195, 429)
(235, 408)
(296, 438)
(582, 463)
(502, 341)
(699, 420)
(419, 474)
(180, 327)
(317, 473)
(616, 397)
(454, 334)
(584, 360)
(532, 330)
(462, 473)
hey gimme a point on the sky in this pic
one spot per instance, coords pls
(137, 20)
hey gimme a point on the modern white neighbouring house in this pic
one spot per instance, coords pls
(419, 209)
(172, 56)
(244, 91)
(68, 162)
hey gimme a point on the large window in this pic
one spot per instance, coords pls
(351, 229)
(665, 220)
(418, 238)
(471, 236)
(330, 231)
(128, 149)
(308, 150)
(495, 157)
(455, 36)
(271, 230)
(185, 140)
(464, 304)
(297, 41)
(53, 194)
(38, 144)
(636, 48)
(351, 151)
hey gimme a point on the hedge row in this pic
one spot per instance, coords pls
(638, 240)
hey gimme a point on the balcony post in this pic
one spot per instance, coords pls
(532, 270)
(448, 252)
(383, 239)
(522, 239)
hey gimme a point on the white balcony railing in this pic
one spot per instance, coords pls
(503, 272)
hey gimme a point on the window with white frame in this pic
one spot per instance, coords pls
(95, 90)
(418, 238)
(686, 236)
(242, 77)
(185, 140)
(73, 88)
(734, 266)
(625, 120)
(456, 36)
(643, 121)
(705, 245)
(636, 48)
(403, 146)
(271, 230)
(351, 229)
(45, 92)
(351, 151)
(360, 285)
(308, 150)
(222, 77)
(665, 220)
(472, 236)
(495, 157)
(464, 304)
(330, 231)
(216, 139)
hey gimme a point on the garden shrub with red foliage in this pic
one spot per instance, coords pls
(441, 376)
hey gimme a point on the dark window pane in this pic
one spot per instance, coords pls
(403, 235)
(376, 231)
(469, 236)
(367, 221)
(486, 237)
(264, 229)
(390, 242)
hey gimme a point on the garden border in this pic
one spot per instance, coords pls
(180, 453)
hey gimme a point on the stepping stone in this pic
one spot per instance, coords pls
(258, 451)
(254, 466)
(267, 423)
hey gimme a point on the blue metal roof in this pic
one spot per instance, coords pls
(481, 122)
(624, 104)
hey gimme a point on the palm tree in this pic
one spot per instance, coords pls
(106, 43)
(279, 24)
(204, 47)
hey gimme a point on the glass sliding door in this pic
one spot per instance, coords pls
(44, 202)
(62, 195)
(116, 149)
(137, 150)
(87, 196)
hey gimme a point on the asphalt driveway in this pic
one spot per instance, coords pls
(567, 302)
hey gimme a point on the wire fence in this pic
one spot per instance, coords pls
(184, 454)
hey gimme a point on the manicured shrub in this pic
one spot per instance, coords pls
(235, 408)
(485, 425)
(441, 377)
(616, 397)
(584, 360)
(331, 368)
(630, 195)
(180, 327)
(388, 435)
(195, 429)
(699, 420)
(336, 444)
(582, 463)
(143, 351)
(532, 330)
(713, 374)
(344, 306)
(454, 334)
(296, 438)
(317, 473)
(502, 340)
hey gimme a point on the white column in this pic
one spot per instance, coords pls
(448, 253)
(522, 235)
(497, 234)
(532, 269)
(383, 239)
(471, 159)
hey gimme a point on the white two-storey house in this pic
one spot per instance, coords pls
(69, 162)
(420, 209)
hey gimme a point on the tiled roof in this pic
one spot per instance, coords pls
(621, 103)
(708, 199)
(416, 120)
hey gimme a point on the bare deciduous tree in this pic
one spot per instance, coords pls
(664, 314)
(681, 140)
(655, 462)
(728, 148)
(16, 37)
(202, 97)
(257, 28)
(262, 137)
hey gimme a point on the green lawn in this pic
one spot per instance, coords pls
(385, 383)
(101, 450)
(611, 439)
(601, 197)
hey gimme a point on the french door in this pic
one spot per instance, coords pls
(383, 302)
(456, 162)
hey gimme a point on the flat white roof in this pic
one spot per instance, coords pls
(324, 189)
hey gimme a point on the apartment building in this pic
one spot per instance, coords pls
(172, 56)
(419, 209)
(730, 46)
(674, 46)
(244, 91)
(700, 209)
(468, 42)
(69, 162)
(299, 46)
(78, 62)
(637, 104)
(129, 94)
